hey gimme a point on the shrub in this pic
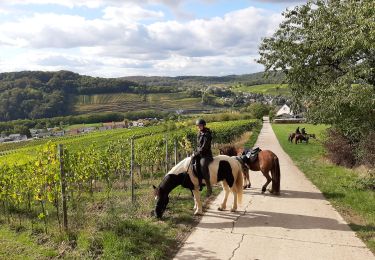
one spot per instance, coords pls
(366, 150)
(339, 148)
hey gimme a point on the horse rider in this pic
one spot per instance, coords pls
(297, 131)
(203, 155)
(303, 131)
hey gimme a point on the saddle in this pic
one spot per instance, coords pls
(252, 154)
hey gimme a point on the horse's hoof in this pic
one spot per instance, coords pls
(244, 187)
(233, 210)
(249, 186)
(220, 209)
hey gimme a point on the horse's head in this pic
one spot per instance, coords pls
(161, 192)
(162, 200)
(229, 150)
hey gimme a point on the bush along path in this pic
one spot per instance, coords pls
(298, 224)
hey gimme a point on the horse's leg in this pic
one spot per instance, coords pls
(197, 199)
(234, 206)
(226, 194)
(248, 178)
(269, 179)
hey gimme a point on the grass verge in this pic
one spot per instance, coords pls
(338, 184)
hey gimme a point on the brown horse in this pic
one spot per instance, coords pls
(301, 137)
(266, 162)
(291, 137)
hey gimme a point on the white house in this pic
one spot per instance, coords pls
(284, 110)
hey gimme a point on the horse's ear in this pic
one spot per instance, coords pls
(154, 187)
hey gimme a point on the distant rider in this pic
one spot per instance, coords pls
(303, 131)
(203, 154)
(297, 131)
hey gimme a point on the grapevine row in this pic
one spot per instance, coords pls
(30, 188)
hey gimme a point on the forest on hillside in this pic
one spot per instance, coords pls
(37, 94)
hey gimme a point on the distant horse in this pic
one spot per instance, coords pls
(312, 136)
(266, 162)
(291, 137)
(223, 168)
(301, 137)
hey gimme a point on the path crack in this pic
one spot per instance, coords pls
(238, 246)
(242, 235)
(238, 217)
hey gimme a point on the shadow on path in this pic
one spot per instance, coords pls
(293, 194)
(196, 253)
(283, 220)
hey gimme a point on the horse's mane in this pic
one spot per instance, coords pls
(177, 166)
(229, 150)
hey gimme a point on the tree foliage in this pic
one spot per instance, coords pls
(326, 48)
(35, 94)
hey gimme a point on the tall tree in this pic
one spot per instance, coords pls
(326, 48)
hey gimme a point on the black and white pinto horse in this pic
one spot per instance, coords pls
(225, 169)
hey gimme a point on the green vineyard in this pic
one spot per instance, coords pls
(92, 166)
(125, 102)
(266, 89)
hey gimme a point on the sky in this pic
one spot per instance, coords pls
(115, 38)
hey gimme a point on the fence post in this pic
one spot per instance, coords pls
(63, 187)
(132, 168)
(175, 152)
(166, 154)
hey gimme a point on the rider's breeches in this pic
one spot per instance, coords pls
(204, 162)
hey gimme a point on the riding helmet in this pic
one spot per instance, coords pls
(200, 122)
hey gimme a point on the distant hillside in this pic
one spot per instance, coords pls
(266, 89)
(181, 81)
(37, 94)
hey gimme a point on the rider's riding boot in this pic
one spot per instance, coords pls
(206, 174)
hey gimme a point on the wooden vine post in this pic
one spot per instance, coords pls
(175, 152)
(166, 155)
(132, 168)
(63, 187)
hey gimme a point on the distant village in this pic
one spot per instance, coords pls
(58, 132)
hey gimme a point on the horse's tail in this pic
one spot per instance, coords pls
(276, 176)
(239, 184)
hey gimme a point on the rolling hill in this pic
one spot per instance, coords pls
(38, 94)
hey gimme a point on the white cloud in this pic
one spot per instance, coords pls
(120, 43)
(130, 12)
(92, 3)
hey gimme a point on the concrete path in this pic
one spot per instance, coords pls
(300, 224)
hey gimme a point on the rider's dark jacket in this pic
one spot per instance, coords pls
(204, 139)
